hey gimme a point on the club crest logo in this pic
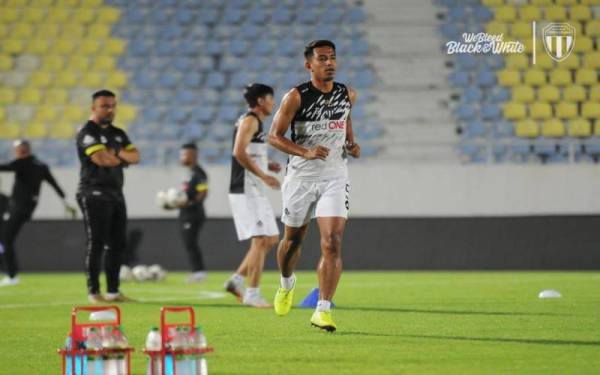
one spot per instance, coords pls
(559, 40)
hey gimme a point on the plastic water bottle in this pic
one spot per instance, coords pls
(94, 362)
(80, 360)
(179, 343)
(153, 343)
(111, 363)
(199, 342)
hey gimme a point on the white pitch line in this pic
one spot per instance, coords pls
(203, 296)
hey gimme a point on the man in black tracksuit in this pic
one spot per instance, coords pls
(191, 214)
(104, 150)
(30, 172)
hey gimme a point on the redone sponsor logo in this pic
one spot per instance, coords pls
(329, 125)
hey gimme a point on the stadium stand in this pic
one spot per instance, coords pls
(522, 112)
(178, 66)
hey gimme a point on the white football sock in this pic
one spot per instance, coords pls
(237, 278)
(288, 282)
(323, 305)
(251, 292)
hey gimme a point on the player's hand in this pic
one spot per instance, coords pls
(353, 149)
(274, 166)
(317, 152)
(271, 181)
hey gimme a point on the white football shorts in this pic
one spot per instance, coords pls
(253, 216)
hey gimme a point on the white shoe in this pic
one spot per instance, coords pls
(197, 277)
(256, 301)
(9, 281)
(236, 288)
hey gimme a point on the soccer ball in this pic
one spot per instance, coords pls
(140, 273)
(157, 272)
(125, 273)
(161, 199)
(176, 197)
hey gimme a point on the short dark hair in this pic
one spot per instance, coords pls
(255, 91)
(101, 93)
(310, 47)
(22, 142)
(189, 146)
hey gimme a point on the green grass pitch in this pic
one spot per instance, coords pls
(388, 323)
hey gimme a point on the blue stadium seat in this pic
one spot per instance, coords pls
(483, 14)
(228, 114)
(307, 17)
(281, 16)
(150, 114)
(332, 15)
(190, 48)
(215, 80)
(184, 16)
(465, 112)
(192, 80)
(134, 16)
(450, 30)
(520, 147)
(167, 80)
(475, 129)
(472, 94)
(187, 97)
(466, 62)
(457, 14)
(473, 150)
(503, 129)
(208, 16)
(258, 16)
(238, 47)
(459, 79)
(364, 79)
(175, 115)
(197, 32)
(173, 32)
(140, 47)
(214, 47)
(356, 15)
(491, 112)
(143, 79)
(232, 16)
(250, 31)
(157, 17)
(485, 78)
(498, 94)
(202, 115)
(164, 48)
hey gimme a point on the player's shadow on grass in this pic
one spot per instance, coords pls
(507, 340)
(446, 312)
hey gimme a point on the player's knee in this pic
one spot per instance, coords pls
(332, 244)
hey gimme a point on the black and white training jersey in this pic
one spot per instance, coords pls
(320, 120)
(243, 181)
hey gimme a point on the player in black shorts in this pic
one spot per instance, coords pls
(30, 172)
(104, 150)
(191, 213)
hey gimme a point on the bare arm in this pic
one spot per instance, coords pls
(246, 129)
(352, 147)
(105, 158)
(281, 122)
(129, 155)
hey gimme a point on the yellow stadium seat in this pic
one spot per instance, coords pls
(492, 3)
(517, 61)
(104, 63)
(64, 46)
(571, 62)
(84, 16)
(7, 95)
(508, 77)
(91, 80)
(549, 94)
(22, 30)
(58, 15)
(561, 77)
(126, 113)
(74, 114)
(556, 13)
(9, 15)
(62, 130)
(45, 113)
(78, 63)
(591, 110)
(586, 76)
(47, 31)
(108, 15)
(35, 130)
(89, 46)
(41, 3)
(56, 96)
(99, 31)
(535, 77)
(2, 114)
(65, 79)
(10, 130)
(553, 128)
(595, 93)
(592, 28)
(30, 96)
(67, 3)
(523, 94)
(116, 80)
(574, 93)
(114, 47)
(528, 43)
(40, 79)
(580, 13)
(514, 111)
(583, 44)
(15, 3)
(6, 63)
(566, 2)
(53, 63)
(527, 129)
(580, 127)
(3, 30)
(12, 46)
(590, 2)
(33, 15)
(530, 13)
(521, 30)
(37, 46)
(566, 110)
(91, 3)
(505, 13)
(591, 60)
(496, 28)
(542, 2)
(543, 61)
(540, 111)
(72, 31)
